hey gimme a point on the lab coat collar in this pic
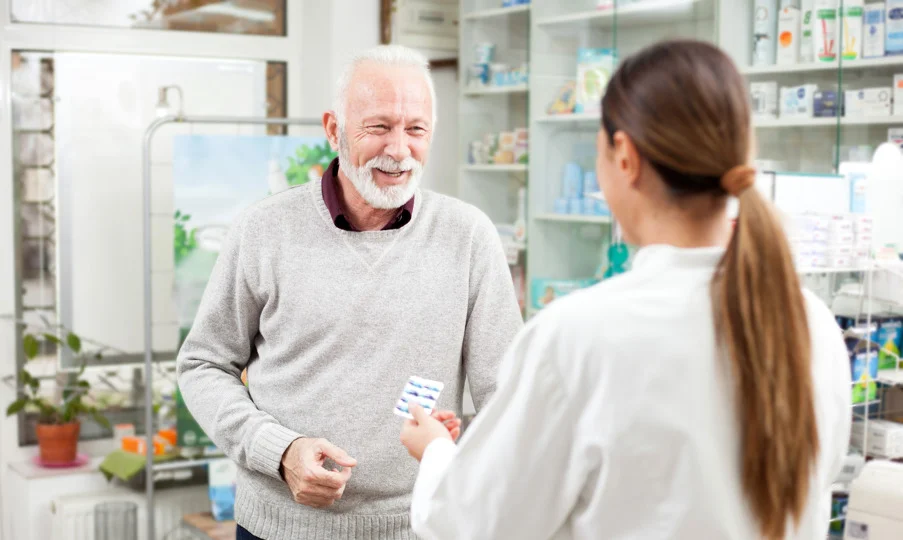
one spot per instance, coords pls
(667, 256)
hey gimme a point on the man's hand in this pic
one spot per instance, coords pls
(418, 433)
(310, 483)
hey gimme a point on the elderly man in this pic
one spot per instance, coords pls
(333, 294)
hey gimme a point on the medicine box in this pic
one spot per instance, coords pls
(764, 97)
(893, 27)
(885, 438)
(873, 30)
(788, 35)
(898, 94)
(867, 102)
(895, 135)
(797, 101)
(825, 104)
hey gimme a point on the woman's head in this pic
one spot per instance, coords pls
(675, 141)
(675, 119)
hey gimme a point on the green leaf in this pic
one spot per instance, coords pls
(98, 356)
(101, 419)
(30, 345)
(84, 384)
(178, 214)
(75, 343)
(16, 406)
(52, 338)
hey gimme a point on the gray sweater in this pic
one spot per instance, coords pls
(331, 324)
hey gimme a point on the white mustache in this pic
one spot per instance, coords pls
(389, 165)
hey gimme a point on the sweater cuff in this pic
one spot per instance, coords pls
(269, 446)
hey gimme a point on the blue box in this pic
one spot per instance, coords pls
(544, 291)
(825, 104)
(561, 206)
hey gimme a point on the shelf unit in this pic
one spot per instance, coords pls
(848, 65)
(646, 13)
(574, 218)
(522, 9)
(831, 122)
(491, 110)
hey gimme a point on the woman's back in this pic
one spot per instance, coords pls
(657, 405)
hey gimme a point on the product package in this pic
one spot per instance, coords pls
(824, 34)
(873, 30)
(895, 135)
(825, 104)
(867, 102)
(424, 392)
(221, 488)
(885, 438)
(864, 367)
(544, 291)
(764, 97)
(189, 433)
(594, 69)
(893, 27)
(798, 101)
(852, 29)
(765, 22)
(788, 36)
(807, 51)
(890, 330)
(898, 94)
(857, 175)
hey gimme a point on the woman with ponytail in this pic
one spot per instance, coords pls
(702, 395)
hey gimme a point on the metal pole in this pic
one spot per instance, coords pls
(148, 269)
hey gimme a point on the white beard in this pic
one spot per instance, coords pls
(383, 198)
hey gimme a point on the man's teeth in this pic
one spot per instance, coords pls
(393, 174)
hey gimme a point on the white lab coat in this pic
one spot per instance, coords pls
(615, 419)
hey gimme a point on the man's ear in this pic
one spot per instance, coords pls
(331, 127)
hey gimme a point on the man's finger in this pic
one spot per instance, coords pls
(328, 479)
(337, 454)
(418, 413)
(442, 416)
(455, 433)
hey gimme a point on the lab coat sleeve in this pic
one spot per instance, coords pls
(513, 474)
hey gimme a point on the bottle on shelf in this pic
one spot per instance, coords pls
(520, 224)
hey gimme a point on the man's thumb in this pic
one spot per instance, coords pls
(338, 455)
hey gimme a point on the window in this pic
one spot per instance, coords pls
(254, 17)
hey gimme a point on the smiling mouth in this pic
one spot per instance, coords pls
(396, 174)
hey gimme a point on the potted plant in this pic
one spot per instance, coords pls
(60, 414)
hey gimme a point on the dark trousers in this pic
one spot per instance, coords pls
(242, 534)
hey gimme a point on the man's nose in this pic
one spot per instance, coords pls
(397, 147)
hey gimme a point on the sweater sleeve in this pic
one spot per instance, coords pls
(493, 316)
(217, 349)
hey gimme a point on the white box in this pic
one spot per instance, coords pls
(851, 19)
(868, 102)
(838, 250)
(797, 101)
(788, 41)
(764, 97)
(873, 30)
(885, 438)
(898, 94)
(807, 49)
(839, 261)
(895, 135)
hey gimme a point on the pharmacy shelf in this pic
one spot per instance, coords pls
(512, 168)
(581, 118)
(178, 464)
(826, 122)
(867, 63)
(821, 270)
(574, 218)
(497, 90)
(497, 12)
(647, 12)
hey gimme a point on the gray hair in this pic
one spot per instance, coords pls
(386, 55)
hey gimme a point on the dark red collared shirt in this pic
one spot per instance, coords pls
(334, 205)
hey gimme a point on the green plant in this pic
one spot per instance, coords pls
(184, 241)
(306, 158)
(72, 403)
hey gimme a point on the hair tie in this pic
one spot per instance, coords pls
(738, 179)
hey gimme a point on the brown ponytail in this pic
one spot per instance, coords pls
(685, 107)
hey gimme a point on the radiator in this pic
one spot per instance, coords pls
(73, 515)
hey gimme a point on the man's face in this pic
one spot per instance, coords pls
(388, 130)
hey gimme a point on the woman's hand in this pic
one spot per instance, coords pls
(418, 433)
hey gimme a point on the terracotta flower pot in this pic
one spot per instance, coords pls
(58, 443)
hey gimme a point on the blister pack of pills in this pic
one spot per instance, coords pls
(421, 391)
